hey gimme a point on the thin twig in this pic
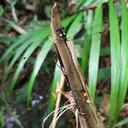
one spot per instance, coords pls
(83, 9)
(15, 27)
(12, 4)
(18, 29)
(59, 94)
(14, 13)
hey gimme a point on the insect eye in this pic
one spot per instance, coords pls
(61, 35)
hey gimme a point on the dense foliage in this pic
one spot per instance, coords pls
(29, 71)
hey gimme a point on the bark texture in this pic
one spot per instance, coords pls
(87, 112)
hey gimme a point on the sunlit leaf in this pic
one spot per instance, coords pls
(121, 123)
(115, 62)
(95, 52)
(124, 58)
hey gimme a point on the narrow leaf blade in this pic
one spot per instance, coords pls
(95, 52)
(40, 58)
(115, 62)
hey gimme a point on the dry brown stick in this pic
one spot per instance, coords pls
(71, 47)
(70, 44)
(86, 109)
(58, 99)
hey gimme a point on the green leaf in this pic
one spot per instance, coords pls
(115, 62)
(68, 20)
(13, 46)
(56, 79)
(39, 60)
(20, 49)
(1, 11)
(7, 39)
(19, 41)
(75, 26)
(37, 39)
(2, 120)
(95, 51)
(18, 53)
(121, 123)
(86, 3)
(87, 43)
(124, 58)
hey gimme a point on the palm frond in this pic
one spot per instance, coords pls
(37, 38)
